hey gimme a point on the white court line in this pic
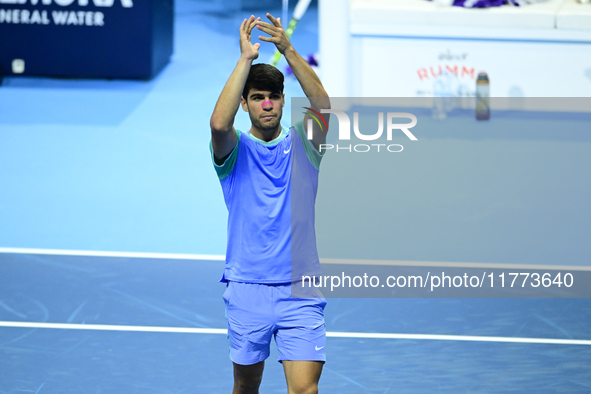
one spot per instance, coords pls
(96, 253)
(106, 327)
(368, 335)
(180, 256)
(445, 264)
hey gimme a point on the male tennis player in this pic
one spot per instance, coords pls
(262, 171)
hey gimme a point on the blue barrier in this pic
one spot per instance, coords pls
(85, 38)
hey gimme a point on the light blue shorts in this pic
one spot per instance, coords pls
(257, 312)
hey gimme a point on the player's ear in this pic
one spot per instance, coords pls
(244, 104)
(283, 100)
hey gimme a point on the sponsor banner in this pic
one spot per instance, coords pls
(423, 67)
(66, 17)
(85, 38)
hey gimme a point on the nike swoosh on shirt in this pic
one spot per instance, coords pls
(287, 151)
(319, 348)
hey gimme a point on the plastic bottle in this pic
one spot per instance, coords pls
(482, 97)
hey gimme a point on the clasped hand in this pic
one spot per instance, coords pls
(273, 29)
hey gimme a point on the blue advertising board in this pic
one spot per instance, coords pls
(85, 38)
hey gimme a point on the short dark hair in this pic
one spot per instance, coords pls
(263, 77)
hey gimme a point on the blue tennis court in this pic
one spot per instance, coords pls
(107, 324)
(113, 230)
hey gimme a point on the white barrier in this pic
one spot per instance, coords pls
(414, 48)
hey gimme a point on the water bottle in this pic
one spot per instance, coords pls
(482, 97)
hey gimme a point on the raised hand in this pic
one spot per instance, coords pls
(247, 49)
(275, 30)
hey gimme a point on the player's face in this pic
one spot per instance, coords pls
(264, 108)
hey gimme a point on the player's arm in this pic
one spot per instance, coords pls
(307, 78)
(223, 133)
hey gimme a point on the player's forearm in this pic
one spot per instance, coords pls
(308, 79)
(227, 105)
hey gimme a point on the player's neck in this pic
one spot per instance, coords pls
(266, 135)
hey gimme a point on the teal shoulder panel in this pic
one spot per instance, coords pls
(224, 169)
(313, 155)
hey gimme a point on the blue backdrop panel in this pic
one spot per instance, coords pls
(85, 38)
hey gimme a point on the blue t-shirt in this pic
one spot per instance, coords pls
(270, 190)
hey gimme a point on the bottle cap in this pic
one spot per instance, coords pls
(482, 78)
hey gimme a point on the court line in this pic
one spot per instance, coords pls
(333, 334)
(107, 327)
(181, 256)
(454, 264)
(97, 253)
